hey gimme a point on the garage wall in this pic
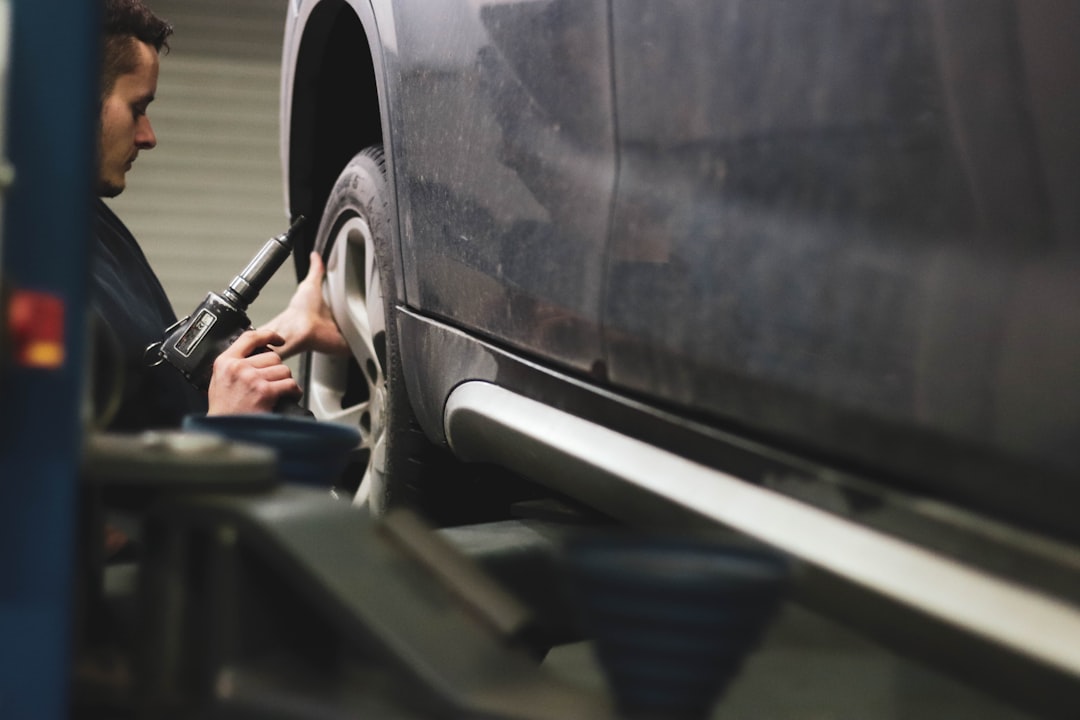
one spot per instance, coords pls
(203, 202)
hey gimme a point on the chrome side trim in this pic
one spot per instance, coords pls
(486, 423)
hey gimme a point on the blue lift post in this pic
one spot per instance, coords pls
(52, 105)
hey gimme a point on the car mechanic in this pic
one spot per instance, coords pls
(130, 307)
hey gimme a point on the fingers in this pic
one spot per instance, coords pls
(248, 377)
(250, 384)
(312, 282)
(307, 323)
(248, 371)
(265, 360)
(277, 389)
(271, 372)
(315, 269)
(251, 341)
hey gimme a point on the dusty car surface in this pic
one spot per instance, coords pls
(827, 251)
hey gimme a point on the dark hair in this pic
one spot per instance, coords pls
(125, 22)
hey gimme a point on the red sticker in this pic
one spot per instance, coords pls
(36, 326)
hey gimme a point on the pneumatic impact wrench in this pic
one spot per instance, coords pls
(192, 344)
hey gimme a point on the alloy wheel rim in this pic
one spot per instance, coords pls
(352, 389)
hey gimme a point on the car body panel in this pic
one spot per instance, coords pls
(504, 150)
(851, 227)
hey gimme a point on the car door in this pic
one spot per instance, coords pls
(504, 155)
(847, 225)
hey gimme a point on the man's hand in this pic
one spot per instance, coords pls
(243, 382)
(307, 324)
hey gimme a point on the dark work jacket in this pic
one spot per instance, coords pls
(131, 311)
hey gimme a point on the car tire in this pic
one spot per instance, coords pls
(366, 389)
(396, 464)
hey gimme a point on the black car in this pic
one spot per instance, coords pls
(807, 270)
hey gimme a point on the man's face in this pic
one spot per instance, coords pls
(125, 126)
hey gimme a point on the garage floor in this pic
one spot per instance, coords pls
(812, 669)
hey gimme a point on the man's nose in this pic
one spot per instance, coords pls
(145, 139)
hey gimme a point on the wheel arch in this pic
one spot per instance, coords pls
(336, 109)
